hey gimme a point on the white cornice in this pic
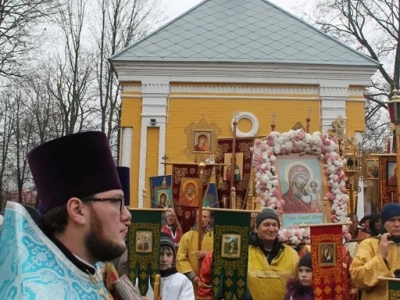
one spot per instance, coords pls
(242, 73)
(333, 91)
(241, 97)
(223, 89)
(356, 92)
(131, 88)
(155, 88)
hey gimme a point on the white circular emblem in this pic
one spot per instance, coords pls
(254, 122)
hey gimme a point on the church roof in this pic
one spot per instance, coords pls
(250, 31)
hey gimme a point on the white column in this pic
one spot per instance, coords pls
(126, 149)
(155, 95)
(333, 102)
(161, 148)
(142, 161)
(360, 203)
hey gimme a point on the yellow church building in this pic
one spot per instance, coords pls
(223, 58)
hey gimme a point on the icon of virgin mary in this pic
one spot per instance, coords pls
(189, 196)
(297, 199)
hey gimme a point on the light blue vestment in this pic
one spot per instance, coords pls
(33, 268)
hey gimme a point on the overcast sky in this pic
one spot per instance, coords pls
(177, 7)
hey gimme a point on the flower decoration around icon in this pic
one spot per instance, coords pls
(266, 151)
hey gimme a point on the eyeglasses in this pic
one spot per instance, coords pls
(112, 200)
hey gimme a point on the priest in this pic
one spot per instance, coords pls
(83, 224)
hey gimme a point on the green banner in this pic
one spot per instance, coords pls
(144, 248)
(229, 268)
(394, 289)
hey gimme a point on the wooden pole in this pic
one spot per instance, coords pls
(273, 122)
(144, 196)
(326, 224)
(308, 119)
(157, 288)
(230, 210)
(233, 159)
(202, 166)
(233, 198)
(351, 200)
(398, 161)
(165, 158)
(250, 191)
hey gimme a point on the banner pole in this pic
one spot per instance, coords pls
(200, 212)
(233, 161)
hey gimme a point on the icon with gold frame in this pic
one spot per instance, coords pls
(144, 241)
(202, 138)
(327, 254)
(372, 169)
(231, 245)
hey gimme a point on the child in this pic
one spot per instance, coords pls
(301, 288)
(174, 285)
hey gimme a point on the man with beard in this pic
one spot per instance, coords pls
(83, 223)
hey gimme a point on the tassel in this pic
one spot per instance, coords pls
(221, 184)
(164, 184)
(111, 276)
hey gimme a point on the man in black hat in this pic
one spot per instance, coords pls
(84, 223)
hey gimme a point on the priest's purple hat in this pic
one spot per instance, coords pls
(124, 178)
(77, 165)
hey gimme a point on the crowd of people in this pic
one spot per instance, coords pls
(76, 247)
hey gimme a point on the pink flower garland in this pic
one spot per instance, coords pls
(267, 183)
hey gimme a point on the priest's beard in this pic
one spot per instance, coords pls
(98, 247)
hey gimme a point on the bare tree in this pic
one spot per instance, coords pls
(6, 134)
(20, 32)
(121, 23)
(70, 76)
(371, 27)
(43, 107)
(71, 87)
(23, 133)
(16, 140)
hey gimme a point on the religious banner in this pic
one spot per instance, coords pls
(229, 267)
(387, 180)
(242, 169)
(160, 191)
(189, 187)
(393, 287)
(143, 248)
(211, 199)
(327, 262)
